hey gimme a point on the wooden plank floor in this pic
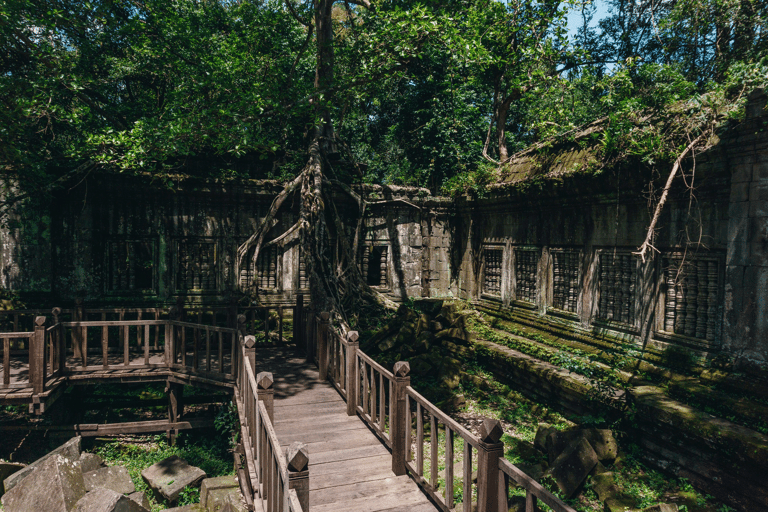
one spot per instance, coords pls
(349, 467)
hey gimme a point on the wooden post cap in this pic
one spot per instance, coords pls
(79, 301)
(352, 336)
(402, 368)
(298, 456)
(250, 341)
(39, 321)
(264, 380)
(490, 430)
(325, 316)
(241, 319)
(56, 311)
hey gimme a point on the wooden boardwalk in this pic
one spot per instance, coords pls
(350, 468)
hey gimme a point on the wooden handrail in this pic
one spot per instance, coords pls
(533, 489)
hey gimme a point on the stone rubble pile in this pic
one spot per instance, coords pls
(568, 460)
(69, 480)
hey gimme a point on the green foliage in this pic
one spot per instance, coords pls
(189, 496)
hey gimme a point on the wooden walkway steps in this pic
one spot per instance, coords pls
(350, 468)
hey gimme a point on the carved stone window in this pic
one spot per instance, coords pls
(526, 268)
(618, 275)
(196, 265)
(492, 271)
(690, 306)
(131, 265)
(374, 265)
(565, 280)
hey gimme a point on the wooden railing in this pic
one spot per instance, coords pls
(439, 453)
(6, 340)
(199, 347)
(280, 481)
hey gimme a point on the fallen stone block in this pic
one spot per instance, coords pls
(54, 486)
(602, 442)
(6, 470)
(572, 466)
(662, 507)
(107, 500)
(195, 507)
(69, 450)
(604, 486)
(620, 504)
(168, 477)
(140, 498)
(209, 485)
(115, 478)
(90, 462)
(218, 498)
(542, 432)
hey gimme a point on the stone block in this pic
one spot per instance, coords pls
(542, 432)
(620, 504)
(573, 465)
(107, 500)
(214, 484)
(169, 476)
(195, 507)
(140, 498)
(115, 478)
(69, 450)
(56, 485)
(740, 192)
(741, 172)
(90, 462)
(602, 441)
(604, 486)
(6, 470)
(219, 498)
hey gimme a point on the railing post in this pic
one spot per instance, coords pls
(352, 378)
(241, 324)
(37, 356)
(77, 332)
(298, 472)
(250, 350)
(298, 315)
(400, 417)
(322, 345)
(489, 452)
(60, 355)
(266, 393)
(310, 336)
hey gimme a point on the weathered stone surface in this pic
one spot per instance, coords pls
(602, 442)
(140, 498)
(169, 476)
(90, 462)
(662, 507)
(525, 450)
(572, 466)
(218, 499)
(6, 470)
(115, 478)
(542, 432)
(60, 481)
(107, 500)
(604, 486)
(214, 484)
(69, 450)
(620, 504)
(195, 507)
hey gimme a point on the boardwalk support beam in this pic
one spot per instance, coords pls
(37, 356)
(400, 417)
(490, 450)
(351, 372)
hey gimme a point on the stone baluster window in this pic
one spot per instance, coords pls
(565, 280)
(131, 266)
(303, 281)
(526, 268)
(492, 271)
(690, 308)
(618, 274)
(267, 268)
(196, 266)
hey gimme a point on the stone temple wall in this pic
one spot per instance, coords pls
(561, 257)
(556, 254)
(125, 240)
